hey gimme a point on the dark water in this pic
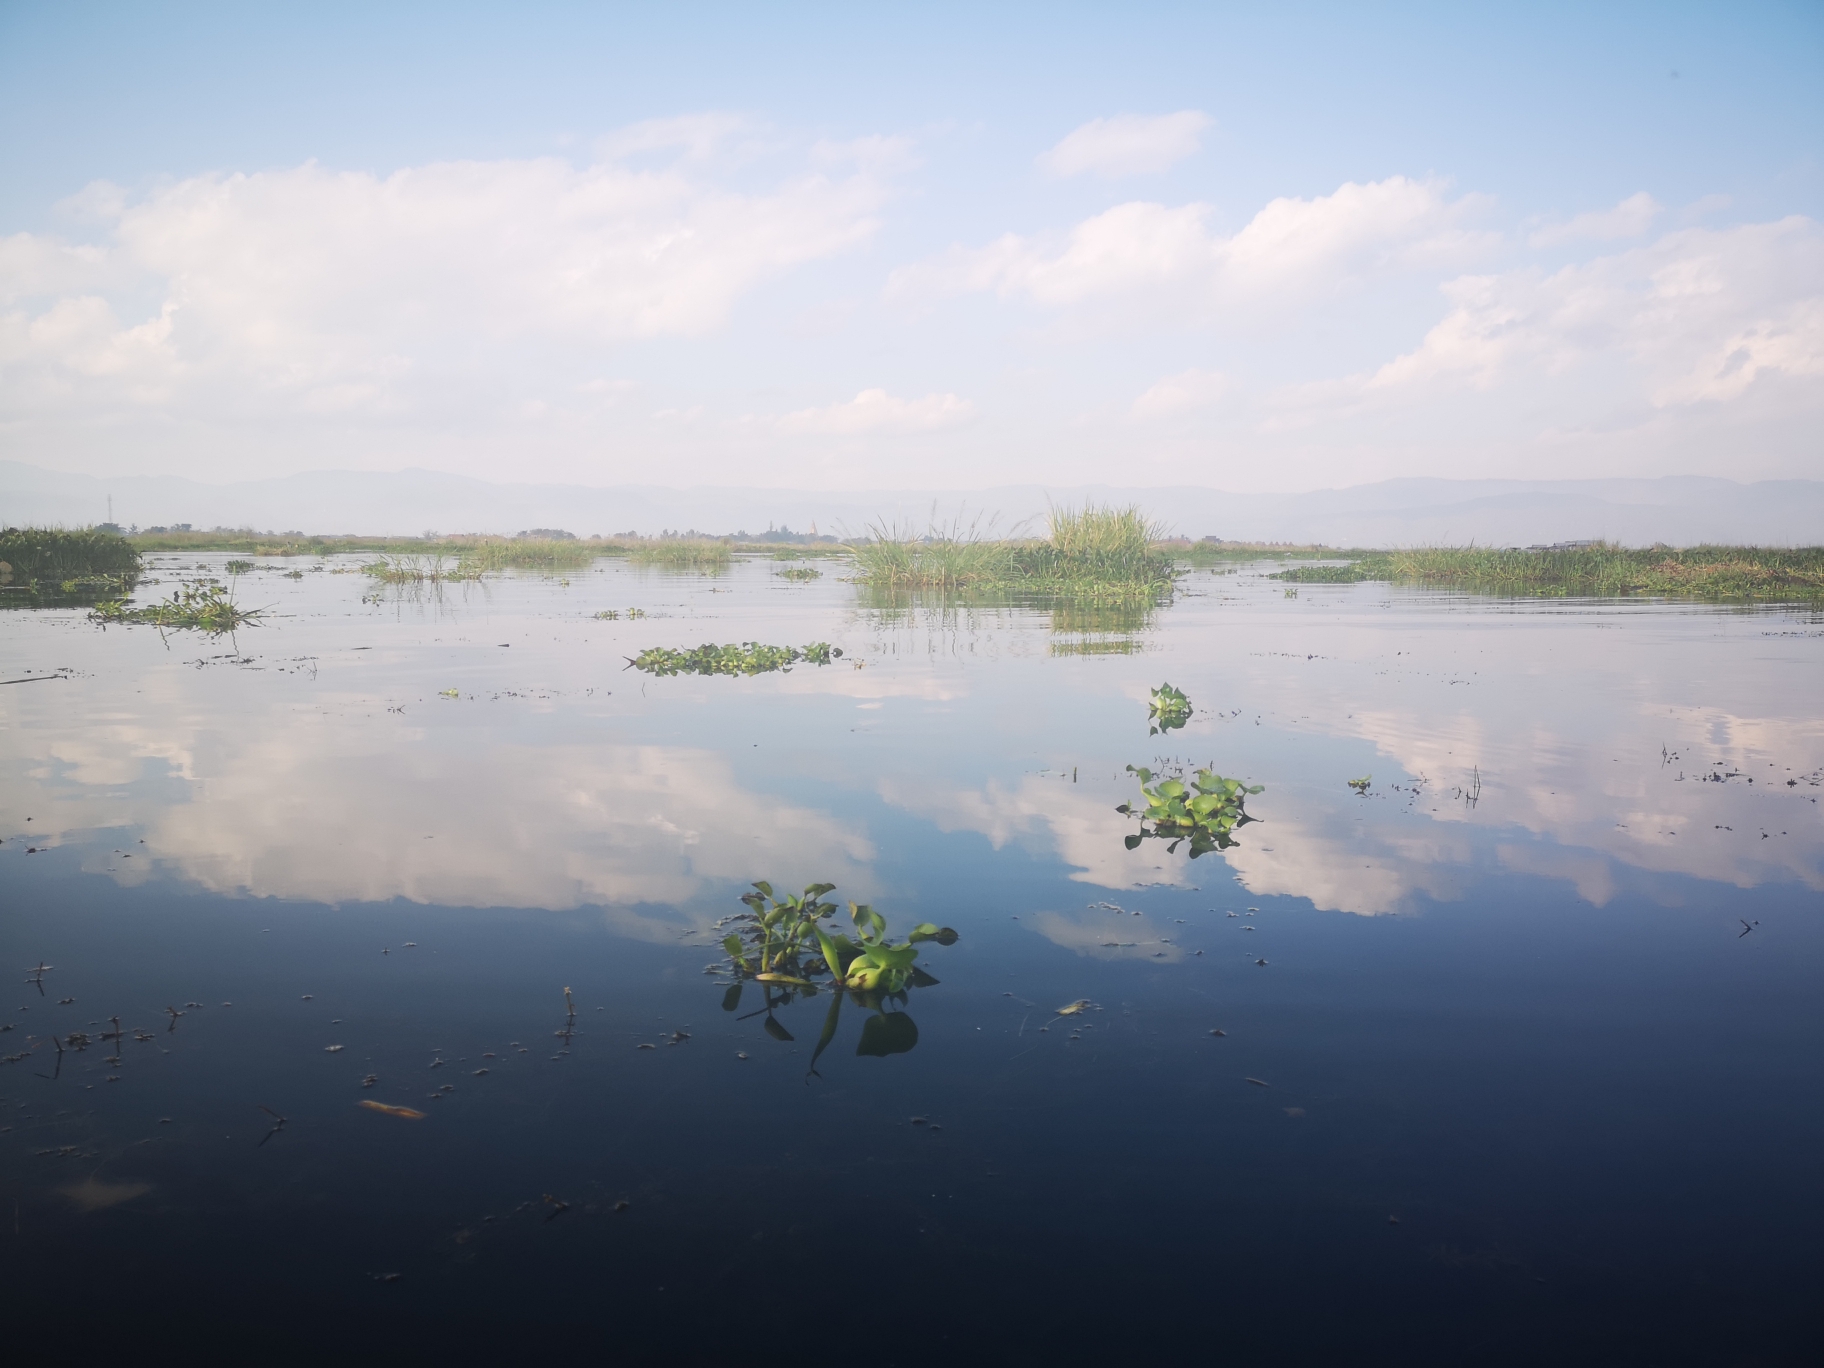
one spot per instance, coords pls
(1531, 1093)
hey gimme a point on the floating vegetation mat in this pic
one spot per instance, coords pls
(1092, 552)
(1169, 709)
(800, 572)
(782, 944)
(746, 658)
(42, 566)
(1719, 572)
(195, 607)
(1205, 811)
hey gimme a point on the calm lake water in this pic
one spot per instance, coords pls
(1516, 1057)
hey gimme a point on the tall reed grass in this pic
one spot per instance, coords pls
(682, 553)
(1091, 549)
(1602, 569)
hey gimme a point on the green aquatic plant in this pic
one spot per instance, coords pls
(421, 570)
(799, 572)
(1205, 811)
(783, 944)
(239, 567)
(746, 658)
(194, 607)
(1169, 709)
(1361, 785)
(42, 565)
(683, 553)
(1595, 568)
(1095, 552)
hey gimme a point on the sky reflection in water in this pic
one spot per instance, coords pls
(1572, 804)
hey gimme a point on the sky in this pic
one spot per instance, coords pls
(1263, 248)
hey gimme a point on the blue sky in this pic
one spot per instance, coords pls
(844, 246)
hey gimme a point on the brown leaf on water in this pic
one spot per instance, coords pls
(91, 1194)
(405, 1113)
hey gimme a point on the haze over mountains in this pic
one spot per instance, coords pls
(1676, 510)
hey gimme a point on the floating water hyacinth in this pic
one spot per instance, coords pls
(1205, 811)
(195, 607)
(747, 658)
(782, 944)
(1169, 709)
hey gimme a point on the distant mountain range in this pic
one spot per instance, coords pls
(1679, 510)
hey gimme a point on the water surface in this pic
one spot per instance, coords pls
(1518, 1054)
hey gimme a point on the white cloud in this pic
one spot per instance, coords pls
(1128, 144)
(321, 289)
(697, 136)
(1171, 257)
(876, 411)
(1181, 393)
(1702, 314)
(1629, 219)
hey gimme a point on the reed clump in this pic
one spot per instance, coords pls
(682, 553)
(421, 570)
(1599, 569)
(1095, 550)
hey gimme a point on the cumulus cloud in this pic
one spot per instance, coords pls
(1128, 144)
(1629, 219)
(1181, 393)
(1171, 255)
(875, 411)
(1703, 314)
(324, 288)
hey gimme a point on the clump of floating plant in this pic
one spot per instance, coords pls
(195, 607)
(746, 658)
(41, 565)
(1169, 709)
(799, 572)
(422, 569)
(238, 567)
(783, 944)
(1205, 811)
(1361, 785)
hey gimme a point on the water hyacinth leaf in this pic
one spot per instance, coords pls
(925, 931)
(732, 943)
(888, 1033)
(830, 1020)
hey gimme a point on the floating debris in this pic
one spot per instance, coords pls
(403, 1113)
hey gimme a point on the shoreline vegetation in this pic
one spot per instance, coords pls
(1088, 556)
(41, 565)
(1599, 569)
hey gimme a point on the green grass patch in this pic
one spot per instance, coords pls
(420, 570)
(683, 553)
(746, 658)
(1601, 569)
(1094, 551)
